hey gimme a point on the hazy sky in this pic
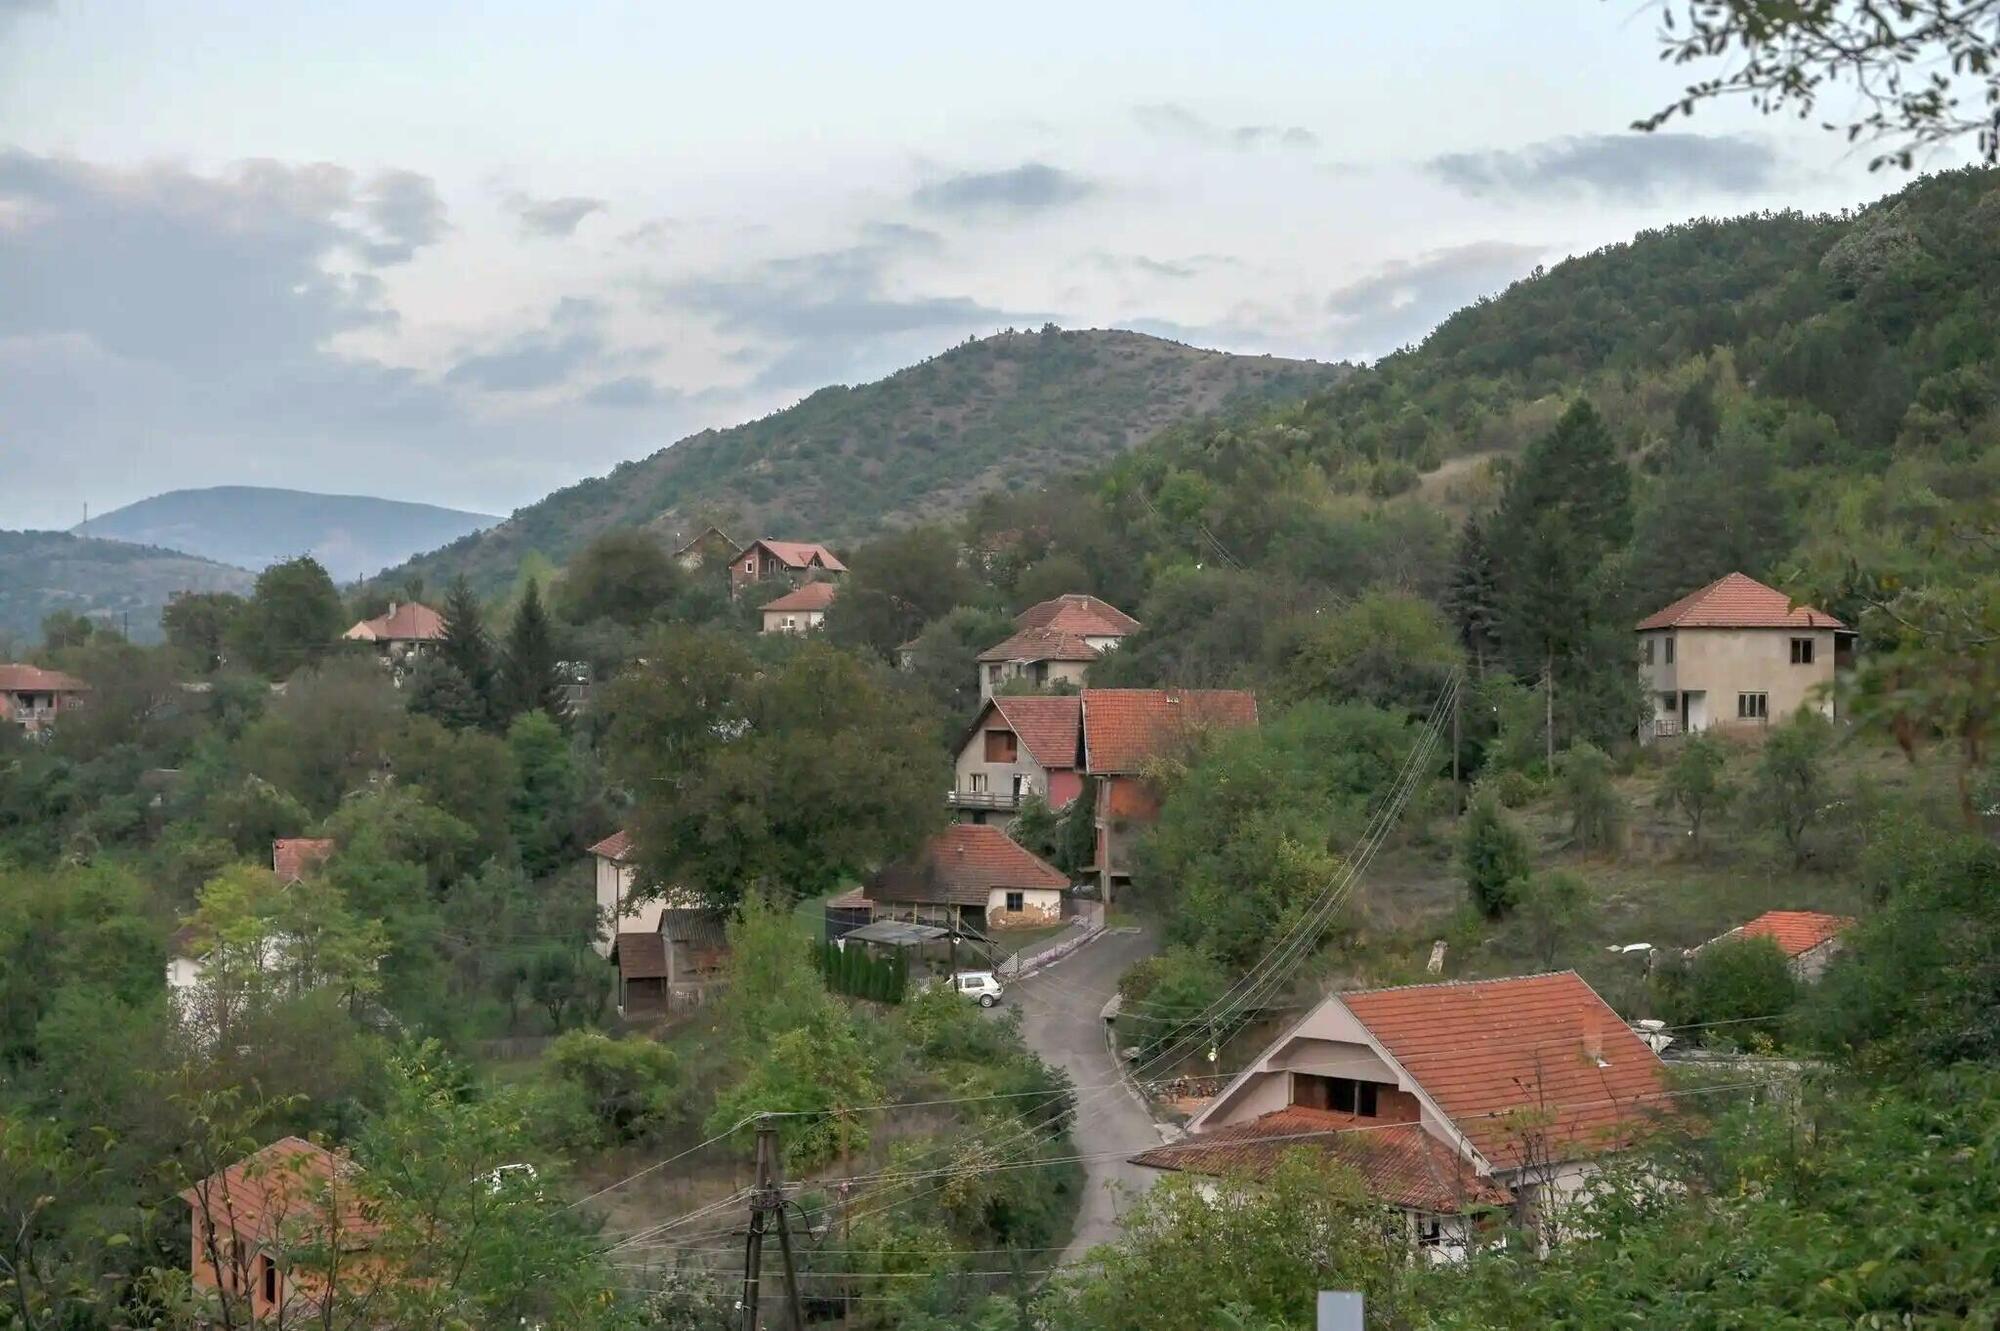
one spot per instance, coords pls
(468, 254)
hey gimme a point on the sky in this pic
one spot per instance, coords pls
(471, 254)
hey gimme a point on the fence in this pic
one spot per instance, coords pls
(1086, 924)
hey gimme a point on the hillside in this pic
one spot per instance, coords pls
(252, 526)
(1000, 413)
(45, 571)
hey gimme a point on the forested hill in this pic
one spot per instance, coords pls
(42, 572)
(998, 413)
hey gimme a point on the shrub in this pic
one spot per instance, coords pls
(630, 1087)
(1695, 783)
(1494, 855)
(1596, 809)
(1790, 785)
(1554, 907)
(1736, 988)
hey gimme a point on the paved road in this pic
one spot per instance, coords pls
(1060, 1022)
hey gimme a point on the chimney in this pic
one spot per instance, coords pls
(1593, 1044)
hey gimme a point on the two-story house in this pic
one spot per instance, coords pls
(1016, 747)
(1735, 655)
(617, 911)
(1054, 642)
(1449, 1099)
(795, 561)
(33, 698)
(800, 610)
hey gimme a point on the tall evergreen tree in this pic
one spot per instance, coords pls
(465, 645)
(1473, 596)
(528, 679)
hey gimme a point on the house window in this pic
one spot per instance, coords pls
(1017, 902)
(750, 564)
(1802, 651)
(1001, 746)
(1430, 1231)
(270, 1281)
(1669, 648)
(1647, 655)
(976, 782)
(1343, 1095)
(1753, 706)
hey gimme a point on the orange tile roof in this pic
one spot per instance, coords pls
(1400, 1164)
(1487, 1051)
(288, 1190)
(293, 857)
(1125, 728)
(641, 955)
(1041, 645)
(34, 679)
(1738, 601)
(1078, 612)
(801, 554)
(408, 622)
(810, 596)
(1048, 727)
(961, 865)
(1796, 932)
(617, 846)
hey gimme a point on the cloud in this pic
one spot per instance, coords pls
(408, 213)
(1399, 303)
(541, 358)
(1030, 187)
(1625, 168)
(629, 392)
(552, 219)
(1170, 120)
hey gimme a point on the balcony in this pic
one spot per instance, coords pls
(982, 801)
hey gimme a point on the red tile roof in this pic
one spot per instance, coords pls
(810, 596)
(1491, 1052)
(1796, 932)
(1400, 1164)
(1078, 612)
(617, 847)
(408, 622)
(293, 857)
(1738, 601)
(288, 1190)
(801, 554)
(641, 955)
(1041, 645)
(704, 534)
(34, 679)
(1048, 727)
(1123, 729)
(961, 865)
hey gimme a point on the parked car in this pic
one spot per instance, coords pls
(980, 986)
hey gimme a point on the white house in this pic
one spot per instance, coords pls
(617, 912)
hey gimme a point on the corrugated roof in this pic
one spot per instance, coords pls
(809, 596)
(1078, 612)
(1738, 601)
(1794, 931)
(1493, 1054)
(411, 621)
(292, 857)
(1048, 727)
(697, 926)
(801, 554)
(1041, 645)
(1123, 729)
(15, 678)
(641, 955)
(617, 847)
(288, 1190)
(961, 865)
(1400, 1164)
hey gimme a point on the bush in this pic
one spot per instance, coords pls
(1790, 785)
(1554, 908)
(1494, 855)
(630, 1087)
(1164, 991)
(1735, 989)
(1596, 809)
(1514, 788)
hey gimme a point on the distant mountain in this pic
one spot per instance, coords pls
(252, 526)
(1001, 412)
(122, 584)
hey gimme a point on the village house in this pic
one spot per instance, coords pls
(269, 1230)
(711, 548)
(800, 610)
(672, 967)
(1808, 939)
(1054, 642)
(1017, 747)
(1736, 655)
(795, 561)
(971, 875)
(617, 912)
(33, 698)
(292, 858)
(400, 634)
(1451, 1100)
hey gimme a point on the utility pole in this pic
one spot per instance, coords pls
(768, 1198)
(1457, 792)
(1549, 710)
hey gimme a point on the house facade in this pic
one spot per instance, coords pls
(402, 633)
(1453, 1100)
(1054, 642)
(1809, 939)
(1735, 655)
(970, 875)
(617, 913)
(711, 548)
(673, 967)
(34, 699)
(1017, 747)
(800, 610)
(796, 561)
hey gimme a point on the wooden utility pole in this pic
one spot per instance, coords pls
(767, 1198)
(1549, 711)
(1457, 792)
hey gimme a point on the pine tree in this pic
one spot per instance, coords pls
(439, 691)
(465, 646)
(528, 679)
(1473, 597)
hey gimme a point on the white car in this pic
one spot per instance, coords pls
(980, 986)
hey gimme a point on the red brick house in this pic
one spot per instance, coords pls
(970, 874)
(33, 698)
(796, 561)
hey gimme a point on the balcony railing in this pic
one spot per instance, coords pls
(986, 801)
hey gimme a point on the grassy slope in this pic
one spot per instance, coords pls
(1004, 412)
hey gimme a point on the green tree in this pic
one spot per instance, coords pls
(465, 646)
(624, 575)
(811, 1073)
(1473, 597)
(528, 677)
(1789, 787)
(1554, 908)
(1493, 854)
(543, 810)
(1596, 809)
(467, 773)
(631, 1087)
(63, 629)
(1696, 783)
(199, 625)
(1737, 988)
(293, 618)
(1164, 993)
(441, 693)
(1387, 649)
(325, 738)
(895, 585)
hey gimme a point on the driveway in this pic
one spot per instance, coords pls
(1060, 1021)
